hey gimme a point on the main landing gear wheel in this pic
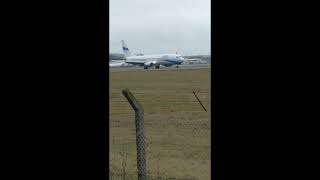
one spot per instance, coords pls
(145, 67)
(157, 66)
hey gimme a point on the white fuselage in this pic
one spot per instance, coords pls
(159, 59)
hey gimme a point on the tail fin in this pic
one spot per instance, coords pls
(125, 49)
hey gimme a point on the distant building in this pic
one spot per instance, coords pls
(198, 59)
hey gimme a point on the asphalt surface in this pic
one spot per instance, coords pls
(138, 68)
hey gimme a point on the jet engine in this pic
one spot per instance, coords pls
(149, 64)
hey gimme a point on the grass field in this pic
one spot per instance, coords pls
(177, 127)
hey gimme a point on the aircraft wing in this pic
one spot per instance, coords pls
(141, 63)
(135, 62)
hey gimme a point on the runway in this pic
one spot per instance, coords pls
(138, 68)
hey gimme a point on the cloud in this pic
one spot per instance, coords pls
(165, 26)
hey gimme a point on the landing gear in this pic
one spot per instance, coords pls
(157, 66)
(145, 67)
(177, 66)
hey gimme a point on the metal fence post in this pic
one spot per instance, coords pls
(140, 139)
(199, 101)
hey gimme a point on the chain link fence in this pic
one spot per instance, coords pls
(177, 130)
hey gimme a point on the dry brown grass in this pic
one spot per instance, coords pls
(177, 128)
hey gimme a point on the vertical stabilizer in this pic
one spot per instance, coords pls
(125, 49)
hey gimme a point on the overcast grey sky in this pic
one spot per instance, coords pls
(160, 26)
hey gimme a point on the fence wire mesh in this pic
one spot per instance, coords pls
(177, 131)
(177, 128)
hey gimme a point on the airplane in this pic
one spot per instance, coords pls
(192, 61)
(148, 61)
(118, 63)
